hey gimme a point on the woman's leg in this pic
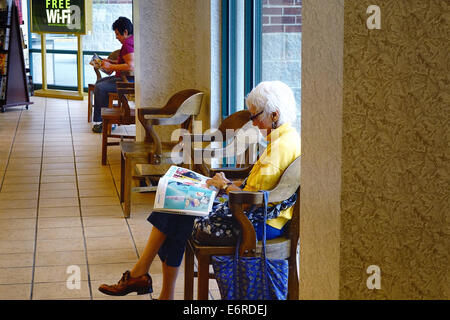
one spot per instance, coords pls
(154, 242)
(172, 250)
(167, 238)
(169, 280)
(101, 95)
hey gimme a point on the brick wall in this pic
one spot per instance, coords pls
(282, 16)
(281, 45)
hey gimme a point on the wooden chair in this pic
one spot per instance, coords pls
(154, 152)
(226, 133)
(91, 87)
(121, 115)
(136, 156)
(227, 129)
(279, 248)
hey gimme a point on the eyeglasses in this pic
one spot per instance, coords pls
(256, 115)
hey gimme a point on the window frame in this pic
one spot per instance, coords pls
(252, 50)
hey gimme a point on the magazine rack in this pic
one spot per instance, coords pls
(14, 84)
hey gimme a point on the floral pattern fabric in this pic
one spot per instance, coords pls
(221, 224)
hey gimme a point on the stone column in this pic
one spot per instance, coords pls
(177, 47)
(375, 150)
(321, 133)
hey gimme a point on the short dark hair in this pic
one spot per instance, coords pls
(123, 24)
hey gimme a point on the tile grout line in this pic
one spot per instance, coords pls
(131, 233)
(11, 149)
(126, 220)
(122, 204)
(37, 204)
(6, 168)
(79, 206)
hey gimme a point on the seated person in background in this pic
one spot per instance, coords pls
(124, 33)
(272, 106)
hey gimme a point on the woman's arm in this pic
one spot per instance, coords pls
(127, 66)
(221, 182)
(238, 182)
(110, 60)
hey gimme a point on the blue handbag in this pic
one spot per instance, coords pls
(252, 278)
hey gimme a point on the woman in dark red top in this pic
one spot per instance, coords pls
(125, 63)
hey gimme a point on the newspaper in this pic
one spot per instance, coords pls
(183, 191)
(96, 62)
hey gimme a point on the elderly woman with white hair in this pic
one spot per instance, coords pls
(272, 107)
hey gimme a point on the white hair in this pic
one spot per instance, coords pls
(271, 96)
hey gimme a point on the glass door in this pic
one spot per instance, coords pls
(62, 49)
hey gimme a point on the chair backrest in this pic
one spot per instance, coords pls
(184, 102)
(180, 109)
(239, 149)
(191, 105)
(114, 55)
(288, 184)
(235, 121)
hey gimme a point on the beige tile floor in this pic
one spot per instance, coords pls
(59, 207)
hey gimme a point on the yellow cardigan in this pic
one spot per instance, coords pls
(283, 148)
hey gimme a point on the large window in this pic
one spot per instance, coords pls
(62, 49)
(102, 39)
(261, 41)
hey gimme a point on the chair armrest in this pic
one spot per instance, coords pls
(248, 235)
(150, 111)
(164, 119)
(156, 110)
(246, 197)
(157, 116)
(97, 73)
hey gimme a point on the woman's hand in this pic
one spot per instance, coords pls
(106, 65)
(219, 180)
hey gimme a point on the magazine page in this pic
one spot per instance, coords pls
(174, 196)
(186, 176)
(96, 62)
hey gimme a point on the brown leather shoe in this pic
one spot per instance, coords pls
(127, 284)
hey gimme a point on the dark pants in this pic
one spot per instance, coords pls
(103, 88)
(178, 229)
